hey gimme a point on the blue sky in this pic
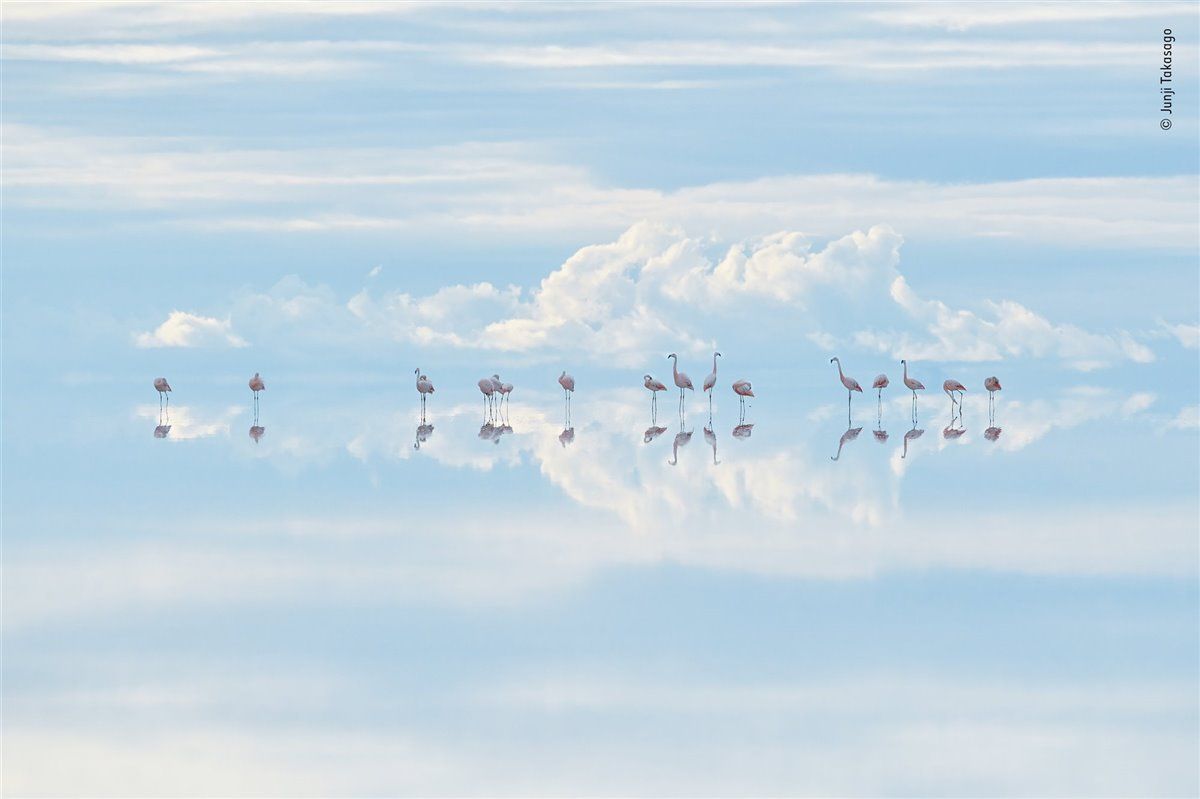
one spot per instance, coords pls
(334, 194)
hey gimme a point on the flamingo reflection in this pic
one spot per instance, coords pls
(849, 435)
(743, 431)
(257, 432)
(711, 438)
(911, 435)
(652, 433)
(681, 440)
(567, 436)
(424, 431)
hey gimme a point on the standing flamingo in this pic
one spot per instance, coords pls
(914, 386)
(881, 382)
(488, 388)
(951, 386)
(502, 388)
(681, 379)
(849, 382)
(711, 380)
(424, 388)
(568, 384)
(992, 384)
(256, 385)
(654, 386)
(163, 387)
(743, 389)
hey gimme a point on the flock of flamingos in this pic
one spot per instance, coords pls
(496, 394)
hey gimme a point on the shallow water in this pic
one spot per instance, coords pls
(355, 603)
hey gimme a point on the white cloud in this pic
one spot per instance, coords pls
(509, 189)
(965, 16)
(655, 289)
(183, 329)
(1188, 418)
(1187, 335)
(1009, 330)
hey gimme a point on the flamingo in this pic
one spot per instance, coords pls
(849, 382)
(913, 385)
(992, 433)
(424, 387)
(503, 389)
(849, 435)
(567, 436)
(488, 388)
(743, 431)
(743, 389)
(681, 379)
(163, 388)
(992, 384)
(162, 431)
(881, 382)
(711, 380)
(951, 432)
(568, 384)
(951, 386)
(256, 433)
(654, 386)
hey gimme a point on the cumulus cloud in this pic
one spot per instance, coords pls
(183, 329)
(656, 287)
(1005, 329)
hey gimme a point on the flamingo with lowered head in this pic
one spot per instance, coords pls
(992, 384)
(568, 385)
(488, 388)
(424, 387)
(653, 386)
(162, 387)
(743, 389)
(951, 386)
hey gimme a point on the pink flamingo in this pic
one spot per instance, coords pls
(503, 389)
(881, 382)
(913, 385)
(681, 379)
(163, 388)
(653, 386)
(743, 389)
(568, 384)
(951, 386)
(711, 380)
(424, 388)
(849, 382)
(488, 388)
(992, 384)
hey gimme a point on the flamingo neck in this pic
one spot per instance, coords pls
(838, 361)
(674, 366)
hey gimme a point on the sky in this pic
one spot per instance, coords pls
(339, 596)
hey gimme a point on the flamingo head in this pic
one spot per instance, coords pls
(716, 355)
(672, 355)
(832, 360)
(903, 361)
(417, 371)
(495, 377)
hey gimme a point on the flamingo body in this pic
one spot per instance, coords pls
(652, 384)
(256, 384)
(161, 384)
(743, 389)
(991, 384)
(881, 381)
(567, 382)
